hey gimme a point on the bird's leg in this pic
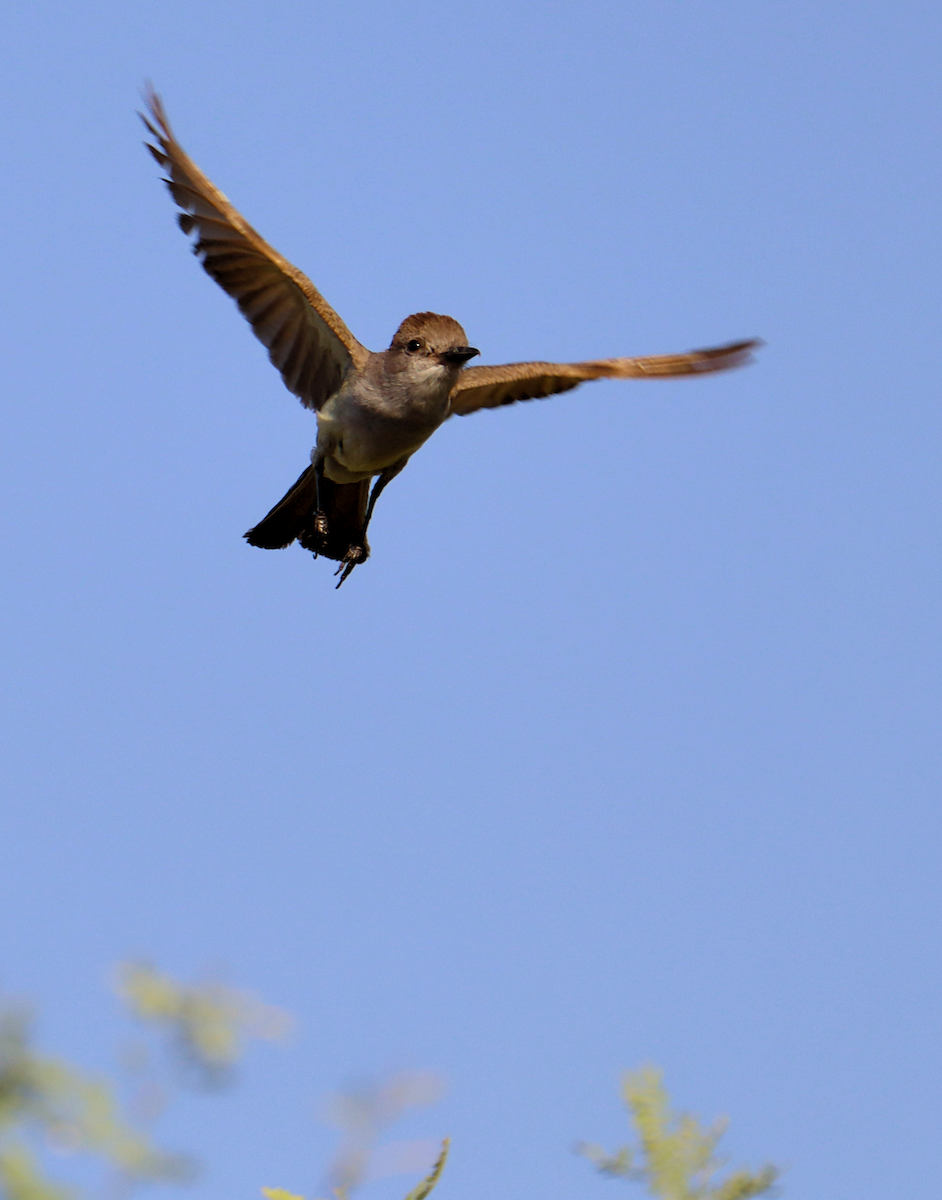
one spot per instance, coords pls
(382, 479)
(358, 552)
(320, 517)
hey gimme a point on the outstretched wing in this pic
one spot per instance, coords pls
(490, 387)
(306, 340)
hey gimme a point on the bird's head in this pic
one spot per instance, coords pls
(427, 342)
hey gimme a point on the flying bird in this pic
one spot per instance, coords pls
(374, 409)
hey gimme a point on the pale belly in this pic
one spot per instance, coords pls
(357, 444)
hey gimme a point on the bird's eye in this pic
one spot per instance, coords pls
(415, 344)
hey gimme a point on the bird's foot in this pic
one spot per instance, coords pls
(315, 538)
(355, 555)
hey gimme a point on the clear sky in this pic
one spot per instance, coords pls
(624, 746)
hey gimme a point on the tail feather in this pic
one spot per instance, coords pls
(292, 518)
(344, 505)
(289, 517)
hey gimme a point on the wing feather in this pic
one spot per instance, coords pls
(491, 387)
(305, 338)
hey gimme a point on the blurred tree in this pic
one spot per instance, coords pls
(676, 1158)
(45, 1103)
(205, 1024)
(342, 1193)
(48, 1104)
(363, 1114)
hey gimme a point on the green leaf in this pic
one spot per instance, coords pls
(420, 1192)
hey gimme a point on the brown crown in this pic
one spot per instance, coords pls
(439, 331)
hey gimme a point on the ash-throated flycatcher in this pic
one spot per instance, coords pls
(374, 410)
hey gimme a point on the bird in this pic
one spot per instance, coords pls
(373, 409)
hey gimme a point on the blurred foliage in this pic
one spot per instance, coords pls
(676, 1158)
(420, 1192)
(47, 1104)
(362, 1115)
(206, 1023)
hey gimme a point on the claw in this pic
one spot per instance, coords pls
(347, 568)
(355, 555)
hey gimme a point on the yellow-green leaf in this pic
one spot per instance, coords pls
(420, 1192)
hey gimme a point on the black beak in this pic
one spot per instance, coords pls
(459, 355)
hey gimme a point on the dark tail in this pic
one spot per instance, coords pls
(292, 518)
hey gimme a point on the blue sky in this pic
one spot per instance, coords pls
(624, 745)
